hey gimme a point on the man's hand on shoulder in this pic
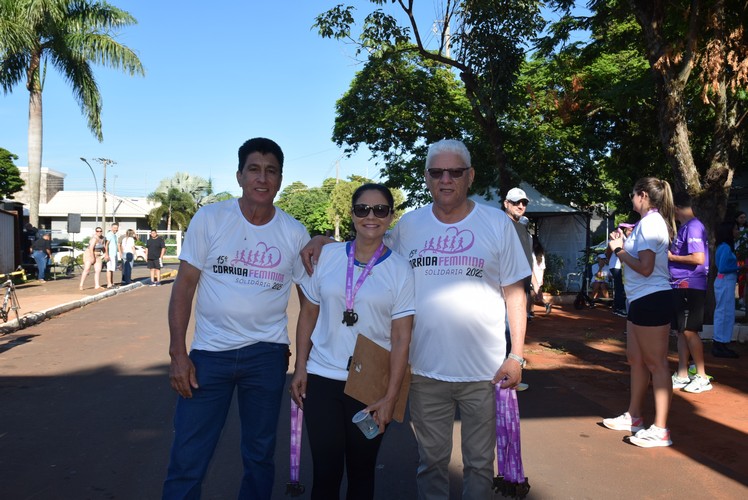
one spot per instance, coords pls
(311, 251)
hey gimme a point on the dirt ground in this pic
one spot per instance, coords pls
(588, 355)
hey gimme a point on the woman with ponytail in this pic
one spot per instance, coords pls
(644, 255)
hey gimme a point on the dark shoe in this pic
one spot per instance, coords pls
(722, 350)
(548, 308)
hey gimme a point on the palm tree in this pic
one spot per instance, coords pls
(71, 35)
(174, 205)
(198, 188)
(180, 197)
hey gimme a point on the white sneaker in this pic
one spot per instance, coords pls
(680, 383)
(652, 437)
(624, 423)
(698, 384)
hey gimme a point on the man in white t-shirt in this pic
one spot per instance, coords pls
(241, 256)
(468, 263)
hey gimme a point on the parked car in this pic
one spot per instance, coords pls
(60, 251)
(141, 253)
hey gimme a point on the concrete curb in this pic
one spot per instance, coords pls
(35, 318)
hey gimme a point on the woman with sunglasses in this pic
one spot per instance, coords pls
(92, 256)
(644, 256)
(358, 287)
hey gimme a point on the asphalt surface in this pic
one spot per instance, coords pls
(86, 408)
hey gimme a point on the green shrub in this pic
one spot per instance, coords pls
(553, 282)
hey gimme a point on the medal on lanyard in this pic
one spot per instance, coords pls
(349, 316)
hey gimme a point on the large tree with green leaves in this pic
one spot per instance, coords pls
(307, 205)
(589, 117)
(484, 41)
(708, 38)
(696, 56)
(72, 35)
(10, 176)
(396, 105)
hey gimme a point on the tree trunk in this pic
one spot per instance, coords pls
(674, 132)
(35, 154)
(490, 126)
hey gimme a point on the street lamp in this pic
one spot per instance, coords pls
(96, 185)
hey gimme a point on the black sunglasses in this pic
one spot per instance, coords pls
(437, 173)
(520, 202)
(380, 211)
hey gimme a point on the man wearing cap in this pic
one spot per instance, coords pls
(515, 205)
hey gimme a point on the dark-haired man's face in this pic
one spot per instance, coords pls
(260, 179)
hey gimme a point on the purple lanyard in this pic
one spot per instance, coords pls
(508, 449)
(350, 290)
(294, 488)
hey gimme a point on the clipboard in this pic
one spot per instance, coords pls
(369, 375)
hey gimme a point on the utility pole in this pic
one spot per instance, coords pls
(337, 217)
(444, 34)
(104, 162)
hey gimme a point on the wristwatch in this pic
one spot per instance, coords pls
(518, 359)
(617, 250)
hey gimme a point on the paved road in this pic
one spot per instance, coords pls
(85, 412)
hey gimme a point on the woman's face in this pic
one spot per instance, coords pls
(741, 220)
(640, 202)
(371, 226)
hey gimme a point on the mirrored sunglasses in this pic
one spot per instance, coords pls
(380, 211)
(437, 173)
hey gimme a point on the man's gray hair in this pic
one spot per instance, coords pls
(448, 146)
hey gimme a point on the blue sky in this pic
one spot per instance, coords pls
(217, 74)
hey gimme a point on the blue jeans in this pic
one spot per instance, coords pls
(41, 263)
(724, 309)
(127, 268)
(258, 372)
(619, 293)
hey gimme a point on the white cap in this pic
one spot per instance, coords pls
(516, 194)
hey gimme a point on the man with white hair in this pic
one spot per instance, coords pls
(468, 263)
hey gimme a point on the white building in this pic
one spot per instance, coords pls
(58, 208)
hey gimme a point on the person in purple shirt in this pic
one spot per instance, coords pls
(688, 262)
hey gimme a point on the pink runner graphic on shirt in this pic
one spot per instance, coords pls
(258, 266)
(262, 256)
(452, 242)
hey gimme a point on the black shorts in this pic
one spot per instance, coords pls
(153, 264)
(689, 309)
(655, 309)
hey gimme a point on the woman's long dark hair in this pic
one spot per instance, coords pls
(724, 234)
(537, 249)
